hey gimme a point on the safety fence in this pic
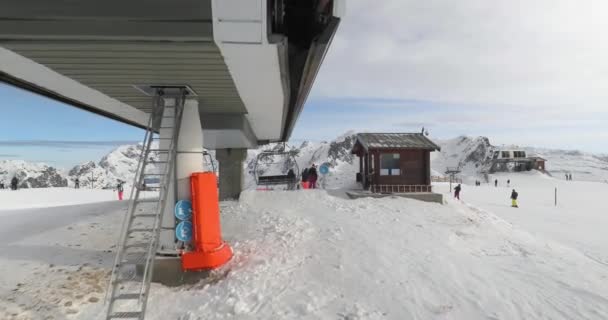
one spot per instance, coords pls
(445, 179)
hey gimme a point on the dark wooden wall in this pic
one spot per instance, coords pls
(415, 167)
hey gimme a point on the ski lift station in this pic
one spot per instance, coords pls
(516, 160)
(225, 75)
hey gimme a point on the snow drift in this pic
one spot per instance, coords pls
(310, 255)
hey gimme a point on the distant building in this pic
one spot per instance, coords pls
(394, 162)
(539, 163)
(516, 160)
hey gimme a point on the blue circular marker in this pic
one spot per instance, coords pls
(183, 210)
(183, 231)
(324, 169)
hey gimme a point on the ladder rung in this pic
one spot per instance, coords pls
(131, 261)
(125, 315)
(149, 187)
(145, 215)
(152, 162)
(162, 138)
(146, 200)
(141, 230)
(128, 296)
(159, 150)
(154, 174)
(137, 245)
(166, 127)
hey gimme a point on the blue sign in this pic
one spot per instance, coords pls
(183, 231)
(324, 169)
(183, 210)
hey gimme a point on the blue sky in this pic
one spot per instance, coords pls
(35, 128)
(509, 70)
(325, 118)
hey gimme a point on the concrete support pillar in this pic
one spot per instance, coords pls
(189, 159)
(231, 172)
(189, 149)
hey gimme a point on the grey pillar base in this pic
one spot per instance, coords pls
(168, 271)
(231, 172)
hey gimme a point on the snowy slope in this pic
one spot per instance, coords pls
(52, 197)
(582, 165)
(310, 255)
(472, 156)
(30, 175)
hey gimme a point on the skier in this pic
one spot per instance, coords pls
(2, 185)
(14, 183)
(496, 183)
(305, 178)
(570, 177)
(567, 178)
(508, 183)
(120, 189)
(312, 177)
(457, 191)
(77, 184)
(514, 195)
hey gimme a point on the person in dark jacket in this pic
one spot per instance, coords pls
(457, 191)
(305, 178)
(514, 196)
(312, 177)
(77, 184)
(496, 183)
(14, 183)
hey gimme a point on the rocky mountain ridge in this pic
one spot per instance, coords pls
(471, 154)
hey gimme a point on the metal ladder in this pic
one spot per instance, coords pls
(129, 285)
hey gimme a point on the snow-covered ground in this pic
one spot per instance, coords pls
(578, 220)
(51, 197)
(316, 255)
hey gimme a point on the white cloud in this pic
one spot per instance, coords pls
(536, 53)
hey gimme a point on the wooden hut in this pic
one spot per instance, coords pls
(394, 162)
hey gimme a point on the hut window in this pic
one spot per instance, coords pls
(506, 154)
(389, 164)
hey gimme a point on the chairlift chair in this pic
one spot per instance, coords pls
(277, 175)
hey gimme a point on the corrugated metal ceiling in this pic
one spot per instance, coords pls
(114, 67)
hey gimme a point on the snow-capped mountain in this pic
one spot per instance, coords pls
(30, 175)
(120, 164)
(471, 155)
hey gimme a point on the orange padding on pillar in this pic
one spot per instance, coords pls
(210, 251)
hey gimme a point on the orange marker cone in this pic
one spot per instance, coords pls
(210, 251)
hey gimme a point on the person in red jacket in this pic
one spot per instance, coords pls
(120, 189)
